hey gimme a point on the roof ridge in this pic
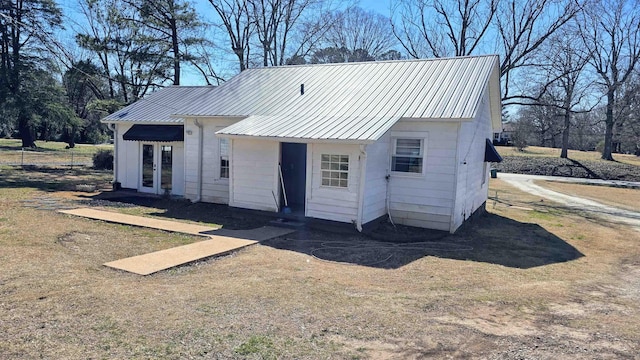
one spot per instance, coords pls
(374, 62)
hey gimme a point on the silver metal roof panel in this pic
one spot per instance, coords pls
(158, 106)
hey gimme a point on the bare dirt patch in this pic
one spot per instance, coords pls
(538, 283)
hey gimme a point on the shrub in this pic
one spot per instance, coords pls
(103, 160)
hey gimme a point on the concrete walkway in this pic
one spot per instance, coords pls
(220, 241)
(614, 214)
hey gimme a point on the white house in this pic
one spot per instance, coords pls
(351, 142)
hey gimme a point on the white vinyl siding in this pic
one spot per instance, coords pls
(254, 174)
(375, 193)
(472, 186)
(333, 203)
(427, 199)
(214, 188)
(128, 159)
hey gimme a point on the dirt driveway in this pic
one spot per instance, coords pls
(527, 184)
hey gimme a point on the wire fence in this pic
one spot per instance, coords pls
(56, 158)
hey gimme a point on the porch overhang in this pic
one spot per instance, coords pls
(160, 133)
(309, 128)
(490, 153)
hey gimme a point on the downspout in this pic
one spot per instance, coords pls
(363, 170)
(199, 170)
(455, 182)
(113, 127)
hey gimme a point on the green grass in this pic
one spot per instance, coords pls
(16, 144)
(257, 344)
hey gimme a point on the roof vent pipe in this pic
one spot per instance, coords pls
(301, 89)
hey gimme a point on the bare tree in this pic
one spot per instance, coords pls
(611, 28)
(359, 29)
(523, 27)
(239, 25)
(276, 21)
(442, 27)
(565, 61)
(464, 27)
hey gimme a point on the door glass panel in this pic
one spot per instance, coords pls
(167, 161)
(147, 165)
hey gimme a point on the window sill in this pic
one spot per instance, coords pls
(327, 187)
(407, 174)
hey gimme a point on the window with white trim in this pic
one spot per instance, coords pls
(407, 155)
(224, 158)
(335, 170)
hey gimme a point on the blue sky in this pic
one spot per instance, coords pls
(227, 66)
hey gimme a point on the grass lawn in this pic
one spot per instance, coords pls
(623, 198)
(528, 280)
(47, 152)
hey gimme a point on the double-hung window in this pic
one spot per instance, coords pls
(224, 158)
(407, 155)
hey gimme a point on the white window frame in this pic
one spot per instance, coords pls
(412, 136)
(339, 171)
(220, 158)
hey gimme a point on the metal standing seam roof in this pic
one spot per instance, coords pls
(350, 101)
(158, 106)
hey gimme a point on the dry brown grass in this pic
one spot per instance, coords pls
(58, 301)
(537, 151)
(624, 198)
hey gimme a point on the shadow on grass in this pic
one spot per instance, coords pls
(489, 238)
(51, 178)
(182, 209)
(590, 174)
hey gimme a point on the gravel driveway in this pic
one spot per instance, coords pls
(526, 183)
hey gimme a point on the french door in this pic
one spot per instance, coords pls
(156, 161)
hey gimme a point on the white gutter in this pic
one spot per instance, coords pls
(113, 127)
(200, 151)
(299, 140)
(363, 169)
(452, 219)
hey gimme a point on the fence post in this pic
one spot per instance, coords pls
(22, 158)
(71, 158)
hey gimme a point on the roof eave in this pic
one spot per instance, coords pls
(298, 140)
(150, 122)
(200, 116)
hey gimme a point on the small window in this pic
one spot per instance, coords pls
(335, 170)
(407, 156)
(224, 158)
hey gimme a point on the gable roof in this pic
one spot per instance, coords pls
(349, 101)
(158, 106)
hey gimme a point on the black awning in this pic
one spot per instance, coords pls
(490, 153)
(155, 133)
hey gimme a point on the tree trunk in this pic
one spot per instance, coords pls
(26, 131)
(176, 52)
(609, 122)
(565, 134)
